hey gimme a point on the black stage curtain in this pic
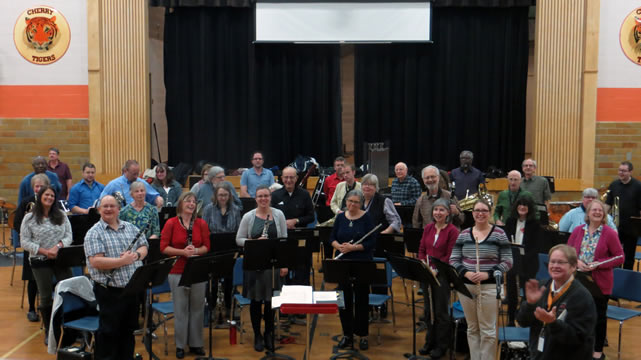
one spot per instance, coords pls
(248, 3)
(482, 3)
(200, 3)
(467, 90)
(227, 97)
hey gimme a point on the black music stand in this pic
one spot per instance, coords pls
(412, 238)
(81, 223)
(153, 251)
(405, 212)
(266, 254)
(71, 256)
(389, 243)
(551, 238)
(635, 225)
(352, 271)
(165, 214)
(144, 278)
(305, 242)
(205, 268)
(585, 278)
(416, 270)
(223, 243)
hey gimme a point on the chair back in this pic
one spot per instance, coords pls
(71, 302)
(237, 279)
(627, 285)
(162, 288)
(388, 272)
(543, 275)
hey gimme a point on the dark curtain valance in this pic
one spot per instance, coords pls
(227, 97)
(201, 3)
(482, 3)
(466, 91)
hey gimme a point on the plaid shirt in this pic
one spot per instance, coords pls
(102, 239)
(406, 192)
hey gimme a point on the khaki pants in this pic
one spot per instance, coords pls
(481, 321)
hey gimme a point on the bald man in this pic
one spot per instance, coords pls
(405, 189)
(293, 201)
(508, 197)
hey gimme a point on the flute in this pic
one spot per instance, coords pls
(478, 270)
(360, 240)
(595, 264)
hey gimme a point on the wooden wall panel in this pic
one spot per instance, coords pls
(566, 55)
(118, 83)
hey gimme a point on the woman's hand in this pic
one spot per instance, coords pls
(583, 266)
(52, 253)
(533, 292)
(189, 250)
(472, 276)
(283, 272)
(546, 317)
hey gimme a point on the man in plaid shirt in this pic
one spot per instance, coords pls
(111, 266)
(405, 189)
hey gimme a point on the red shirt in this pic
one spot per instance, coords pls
(442, 250)
(175, 235)
(330, 186)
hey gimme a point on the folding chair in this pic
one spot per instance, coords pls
(457, 316)
(86, 324)
(238, 299)
(543, 275)
(377, 300)
(163, 308)
(627, 286)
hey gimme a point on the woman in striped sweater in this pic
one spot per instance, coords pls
(478, 254)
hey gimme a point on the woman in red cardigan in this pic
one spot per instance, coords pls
(186, 235)
(595, 242)
(437, 242)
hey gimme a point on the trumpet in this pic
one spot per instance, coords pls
(614, 210)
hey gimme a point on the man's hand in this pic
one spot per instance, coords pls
(291, 223)
(128, 257)
(546, 317)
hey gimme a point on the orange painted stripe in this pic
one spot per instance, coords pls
(44, 101)
(618, 104)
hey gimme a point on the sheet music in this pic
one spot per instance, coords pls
(325, 297)
(293, 294)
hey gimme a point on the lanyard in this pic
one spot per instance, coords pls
(555, 298)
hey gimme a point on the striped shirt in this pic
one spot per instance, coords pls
(102, 239)
(34, 236)
(494, 253)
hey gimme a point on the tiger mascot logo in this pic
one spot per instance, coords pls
(637, 31)
(41, 32)
(630, 36)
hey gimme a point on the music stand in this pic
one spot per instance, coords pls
(585, 278)
(405, 212)
(266, 254)
(389, 243)
(416, 270)
(205, 268)
(305, 243)
(165, 214)
(143, 279)
(412, 238)
(80, 225)
(71, 256)
(223, 243)
(352, 271)
(635, 225)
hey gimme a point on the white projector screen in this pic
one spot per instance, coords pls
(338, 22)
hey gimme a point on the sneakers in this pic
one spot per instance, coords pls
(346, 342)
(33, 316)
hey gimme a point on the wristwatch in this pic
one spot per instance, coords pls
(59, 246)
(138, 255)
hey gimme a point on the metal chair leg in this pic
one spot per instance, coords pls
(24, 286)
(619, 347)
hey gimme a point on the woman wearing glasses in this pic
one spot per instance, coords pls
(186, 235)
(166, 186)
(264, 222)
(595, 242)
(481, 252)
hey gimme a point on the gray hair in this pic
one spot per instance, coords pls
(135, 185)
(591, 192)
(356, 192)
(41, 177)
(370, 179)
(213, 171)
(467, 153)
(532, 160)
(430, 167)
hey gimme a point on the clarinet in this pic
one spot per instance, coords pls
(266, 227)
(220, 301)
(131, 246)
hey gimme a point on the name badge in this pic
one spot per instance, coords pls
(539, 347)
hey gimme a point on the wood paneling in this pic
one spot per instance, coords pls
(566, 55)
(118, 83)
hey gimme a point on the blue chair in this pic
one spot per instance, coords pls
(627, 286)
(238, 300)
(543, 275)
(457, 316)
(86, 324)
(377, 300)
(163, 308)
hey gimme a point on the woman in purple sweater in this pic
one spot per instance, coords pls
(437, 242)
(595, 242)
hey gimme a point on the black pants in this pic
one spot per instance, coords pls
(629, 243)
(600, 330)
(439, 334)
(355, 316)
(267, 315)
(117, 321)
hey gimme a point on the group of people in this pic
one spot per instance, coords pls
(505, 242)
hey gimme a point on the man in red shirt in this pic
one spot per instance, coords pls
(62, 170)
(331, 181)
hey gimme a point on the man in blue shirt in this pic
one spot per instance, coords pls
(130, 172)
(256, 175)
(466, 178)
(39, 165)
(84, 194)
(576, 216)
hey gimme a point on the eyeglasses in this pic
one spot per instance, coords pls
(558, 262)
(353, 201)
(160, 171)
(289, 177)
(482, 211)
(257, 159)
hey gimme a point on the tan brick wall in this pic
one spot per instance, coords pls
(22, 139)
(616, 142)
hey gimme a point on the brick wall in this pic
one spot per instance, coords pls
(22, 139)
(616, 142)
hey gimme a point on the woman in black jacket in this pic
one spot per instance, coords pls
(523, 229)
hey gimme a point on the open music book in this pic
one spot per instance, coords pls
(302, 294)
